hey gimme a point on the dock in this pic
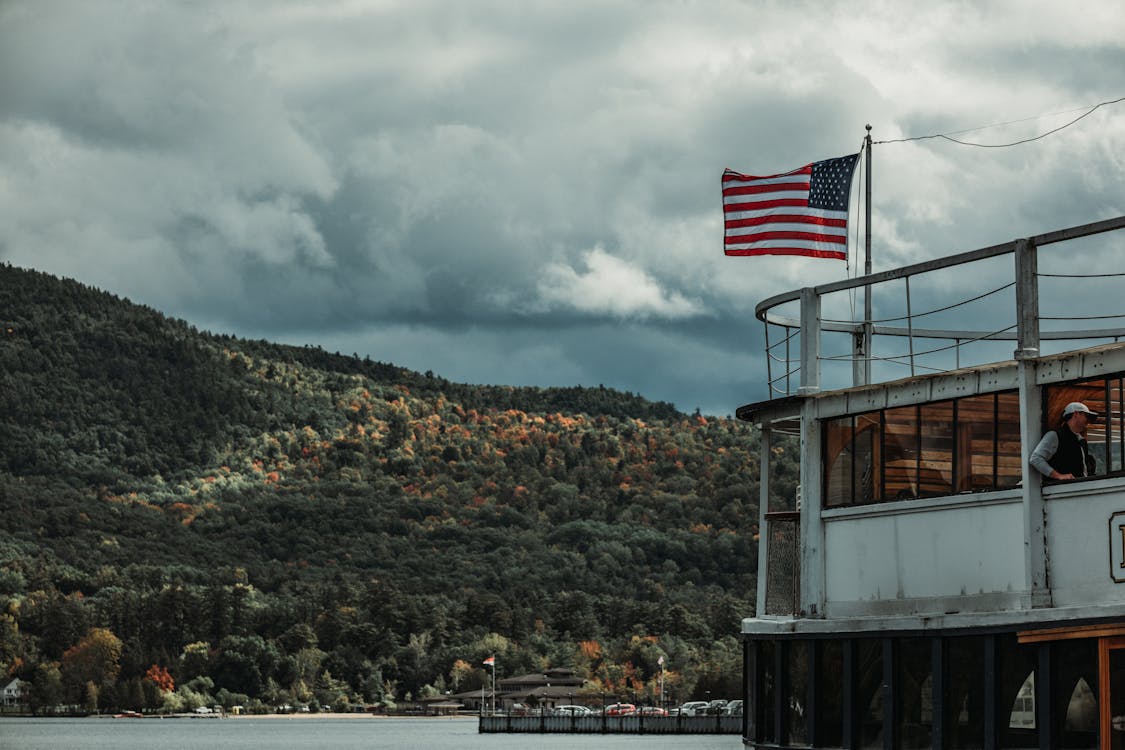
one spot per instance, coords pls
(501, 724)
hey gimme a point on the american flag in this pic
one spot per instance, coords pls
(803, 212)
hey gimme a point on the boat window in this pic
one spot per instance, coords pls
(1105, 437)
(965, 699)
(969, 444)
(869, 692)
(1074, 664)
(915, 694)
(900, 443)
(854, 443)
(1016, 682)
(767, 727)
(830, 716)
(798, 683)
(935, 468)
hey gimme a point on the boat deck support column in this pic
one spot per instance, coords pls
(1031, 417)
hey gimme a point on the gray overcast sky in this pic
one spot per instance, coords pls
(528, 193)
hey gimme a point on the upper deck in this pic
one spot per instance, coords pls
(918, 505)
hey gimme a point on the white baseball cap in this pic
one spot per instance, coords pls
(1074, 406)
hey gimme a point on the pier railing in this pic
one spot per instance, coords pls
(636, 724)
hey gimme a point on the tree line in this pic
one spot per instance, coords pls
(191, 517)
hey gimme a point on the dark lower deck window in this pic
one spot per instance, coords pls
(955, 692)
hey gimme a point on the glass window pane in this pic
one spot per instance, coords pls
(901, 445)
(838, 460)
(869, 692)
(976, 443)
(867, 457)
(1116, 697)
(767, 727)
(935, 474)
(915, 690)
(964, 702)
(1009, 467)
(1075, 667)
(798, 692)
(1016, 702)
(1114, 425)
(830, 709)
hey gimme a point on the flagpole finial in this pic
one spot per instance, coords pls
(868, 126)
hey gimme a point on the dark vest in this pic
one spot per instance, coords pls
(1070, 458)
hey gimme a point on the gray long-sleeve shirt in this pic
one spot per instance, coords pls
(1046, 450)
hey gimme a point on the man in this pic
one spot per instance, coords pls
(1062, 453)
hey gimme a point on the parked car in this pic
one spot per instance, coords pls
(734, 708)
(573, 711)
(715, 707)
(620, 709)
(693, 708)
(652, 711)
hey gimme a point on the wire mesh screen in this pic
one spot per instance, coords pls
(783, 580)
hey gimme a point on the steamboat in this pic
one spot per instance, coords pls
(925, 586)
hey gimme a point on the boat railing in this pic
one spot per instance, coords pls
(919, 329)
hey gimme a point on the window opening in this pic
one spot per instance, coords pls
(1105, 437)
(970, 444)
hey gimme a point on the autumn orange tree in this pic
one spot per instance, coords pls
(160, 677)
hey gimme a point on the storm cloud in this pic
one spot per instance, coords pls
(528, 193)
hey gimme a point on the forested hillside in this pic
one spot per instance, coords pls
(186, 517)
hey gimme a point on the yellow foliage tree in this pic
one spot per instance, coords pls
(96, 659)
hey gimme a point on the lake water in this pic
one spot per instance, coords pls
(306, 732)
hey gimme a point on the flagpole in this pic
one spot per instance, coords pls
(867, 266)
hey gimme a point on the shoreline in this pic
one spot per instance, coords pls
(328, 715)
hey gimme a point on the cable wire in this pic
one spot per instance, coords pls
(1079, 275)
(982, 337)
(929, 312)
(948, 137)
(1081, 317)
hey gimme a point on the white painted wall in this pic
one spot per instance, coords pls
(1085, 544)
(924, 556)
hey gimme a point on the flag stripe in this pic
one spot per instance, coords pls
(807, 252)
(756, 218)
(763, 237)
(801, 212)
(731, 176)
(772, 186)
(792, 197)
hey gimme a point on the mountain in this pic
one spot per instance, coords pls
(282, 524)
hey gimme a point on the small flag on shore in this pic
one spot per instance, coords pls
(490, 661)
(803, 212)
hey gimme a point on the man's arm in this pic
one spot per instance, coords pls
(1044, 452)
